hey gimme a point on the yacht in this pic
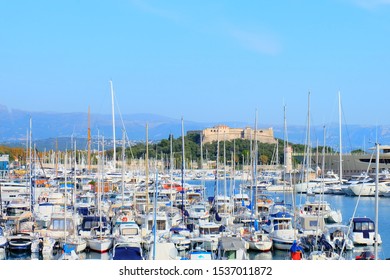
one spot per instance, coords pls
(363, 231)
(281, 230)
(323, 209)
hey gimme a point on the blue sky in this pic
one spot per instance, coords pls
(201, 60)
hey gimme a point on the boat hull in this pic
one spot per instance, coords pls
(100, 245)
(260, 246)
(19, 244)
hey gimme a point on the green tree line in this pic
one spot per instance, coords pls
(238, 151)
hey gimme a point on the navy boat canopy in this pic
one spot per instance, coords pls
(127, 253)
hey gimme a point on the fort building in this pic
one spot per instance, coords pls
(223, 132)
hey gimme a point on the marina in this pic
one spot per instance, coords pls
(189, 236)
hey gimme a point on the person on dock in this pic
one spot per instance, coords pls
(296, 251)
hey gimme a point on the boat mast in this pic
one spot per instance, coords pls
(155, 210)
(147, 171)
(201, 165)
(100, 187)
(376, 201)
(233, 185)
(89, 140)
(250, 171)
(56, 158)
(285, 147)
(75, 178)
(182, 168)
(216, 190)
(30, 169)
(255, 159)
(340, 144)
(201, 150)
(113, 124)
(308, 163)
(224, 175)
(65, 190)
(171, 171)
(123, 168)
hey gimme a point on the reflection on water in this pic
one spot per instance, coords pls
(98, 256)
(253, 255)
(285, 255)
(19, 255)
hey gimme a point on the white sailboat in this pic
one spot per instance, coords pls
(100, 242)
(74, 241)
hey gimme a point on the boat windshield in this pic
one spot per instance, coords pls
(360, 226)
(130, 231)
(209, 230)
(59, 224)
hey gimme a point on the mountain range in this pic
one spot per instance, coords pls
(48, 126)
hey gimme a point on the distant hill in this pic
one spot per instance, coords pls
(51, 127)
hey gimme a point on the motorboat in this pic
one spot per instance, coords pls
(127, 232)
(321, 208)
(232, 248)
(363, 231)
(258, 240)
(337, 236)
(281, 230)
(212, 232)
(179, 236)
(20, 242)
(198, 213)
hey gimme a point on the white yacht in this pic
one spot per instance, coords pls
(363, 231)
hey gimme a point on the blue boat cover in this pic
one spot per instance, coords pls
(256, 225)
(127, 253)
(363, 219)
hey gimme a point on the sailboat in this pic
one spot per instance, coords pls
(306, 185)
(101, 242)
(126, 233)
(256, 238)
(74, 241)
(321, 207)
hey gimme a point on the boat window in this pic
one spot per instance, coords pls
(371, 226)
(313, 223)
(88, 225)
(130, 231)
(60, 225)
(281, 226)
(365, 226)
(358, 226)
(338, 234)
(209, 230)
(161, 225)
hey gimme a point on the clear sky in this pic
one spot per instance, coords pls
(201, 60)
